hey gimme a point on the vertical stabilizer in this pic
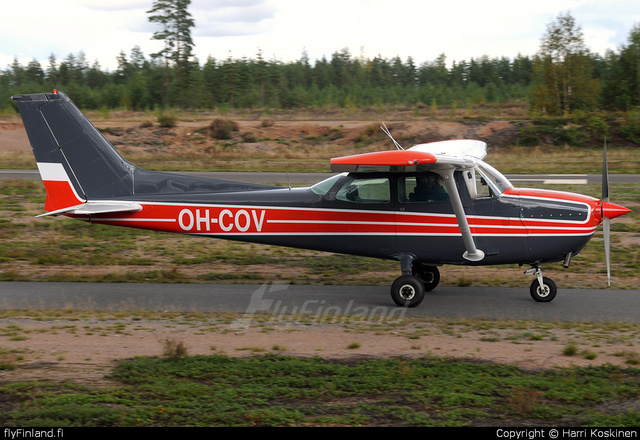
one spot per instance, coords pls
(74, 159)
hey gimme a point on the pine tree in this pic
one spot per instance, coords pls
(563, 70)
(176, 23)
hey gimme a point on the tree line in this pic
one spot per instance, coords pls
(564, 76)
(139, 82)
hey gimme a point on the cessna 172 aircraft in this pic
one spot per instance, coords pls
(425, 206)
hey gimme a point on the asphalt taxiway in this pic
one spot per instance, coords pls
(571, 305)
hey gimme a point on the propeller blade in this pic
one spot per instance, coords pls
(606, 221)
(605, 175)
(606, 226)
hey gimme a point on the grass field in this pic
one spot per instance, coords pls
(274, 390)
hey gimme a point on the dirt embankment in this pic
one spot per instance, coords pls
(263, 135)
(84, 350)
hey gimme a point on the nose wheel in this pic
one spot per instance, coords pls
(542, 289)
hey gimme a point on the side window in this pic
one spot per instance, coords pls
(482, 187)
(488, 184)
(424, 187)
(371, 190)
(476, 184)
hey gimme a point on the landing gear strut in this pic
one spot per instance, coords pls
(542, 289)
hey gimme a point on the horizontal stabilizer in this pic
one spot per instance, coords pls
(94, 208)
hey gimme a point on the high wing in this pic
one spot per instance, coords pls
(458, 153)
(395, 158)
(443, 158)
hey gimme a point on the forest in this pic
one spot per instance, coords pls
(343, 81)
(563, 77)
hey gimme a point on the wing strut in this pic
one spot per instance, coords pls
(472, 253)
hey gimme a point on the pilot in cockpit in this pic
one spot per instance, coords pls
(429, 188)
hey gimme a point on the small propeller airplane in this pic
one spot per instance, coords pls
(426, 206)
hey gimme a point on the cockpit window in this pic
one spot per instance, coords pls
(423, 187)
(366, 190)
(486, 181)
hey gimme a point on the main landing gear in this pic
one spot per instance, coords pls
(409, 289)
(542, 289)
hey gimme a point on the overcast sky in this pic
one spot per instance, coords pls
(283, 29)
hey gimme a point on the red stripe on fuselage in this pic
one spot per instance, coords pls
(226, 220)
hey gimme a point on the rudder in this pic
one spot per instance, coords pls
(68, 148)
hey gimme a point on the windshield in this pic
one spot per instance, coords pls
(321, 188)
(493, 178)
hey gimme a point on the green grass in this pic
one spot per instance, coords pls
(273, 390)
(267, 388)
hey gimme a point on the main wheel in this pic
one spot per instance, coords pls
(407, 291)
(430, 276)
(544, 293)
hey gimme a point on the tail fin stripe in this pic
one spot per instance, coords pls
(53, 172)
(60, 192)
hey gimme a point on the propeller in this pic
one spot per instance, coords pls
(606, 221)
(608, 211)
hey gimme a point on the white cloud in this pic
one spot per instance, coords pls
(282, 29)
(116, 5)
(233, 20)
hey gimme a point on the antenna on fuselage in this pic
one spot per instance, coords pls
(287, 173)
(388, 133)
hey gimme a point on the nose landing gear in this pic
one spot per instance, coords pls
(542, 289)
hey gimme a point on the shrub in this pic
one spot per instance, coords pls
(570, 350)
(630, 130)
(598, 127)
(174, 349)
(222, 129)
(249, 137)
(167, 121)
